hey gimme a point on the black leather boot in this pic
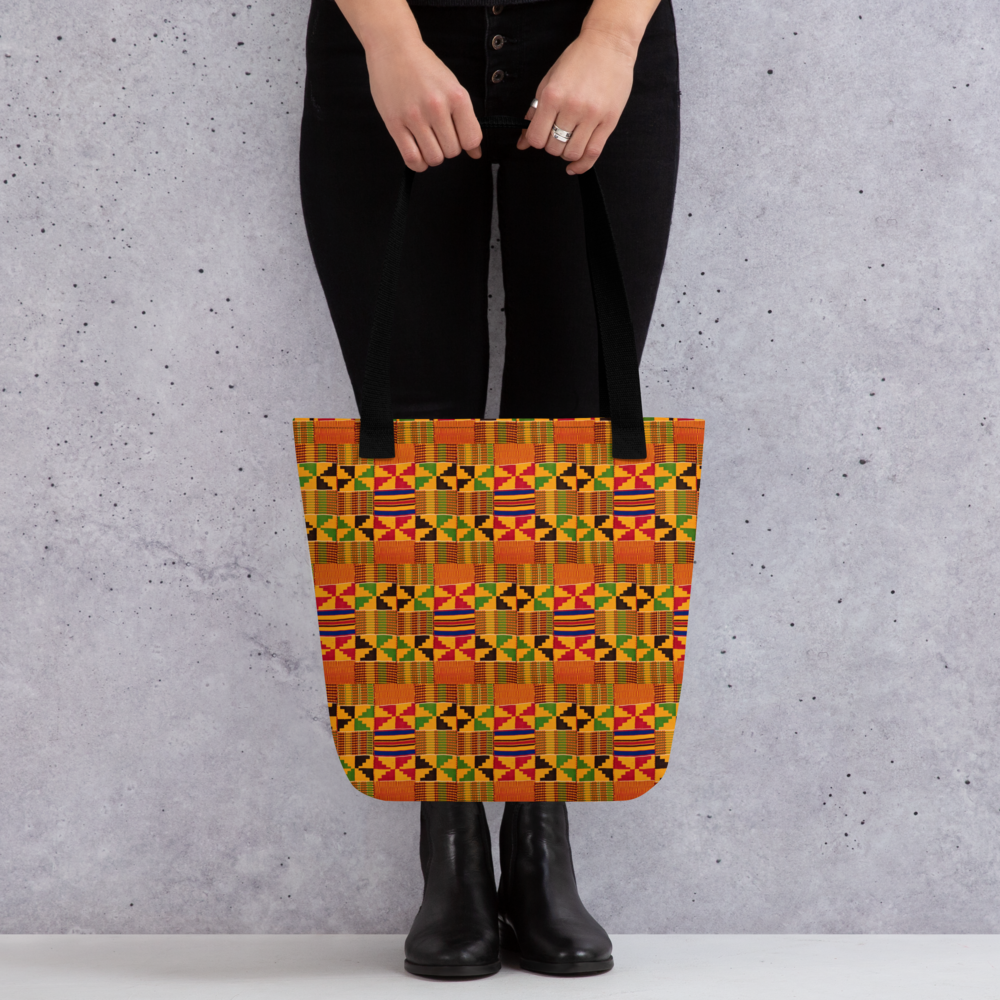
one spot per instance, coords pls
(542, 917)
(455, 931)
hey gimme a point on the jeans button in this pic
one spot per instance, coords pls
(498, 8)
(497, 42)
(498, 76)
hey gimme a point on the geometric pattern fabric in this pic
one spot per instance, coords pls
(502, 607)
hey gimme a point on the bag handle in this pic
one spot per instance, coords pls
(621, 394)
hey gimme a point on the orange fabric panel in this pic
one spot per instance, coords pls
(513, 454)
(395, 552)
(397, 791)
(454, 673)
(573, 673)
(634, 552)
(338, 671)
(454, 432)
(514, 552)
(689, 432)
(634, 694)
(447, 573)
(324, 573)
(573, 431)
(394, 694)
(335, 432)
(514, 791)
(573, 573)
(513, 694)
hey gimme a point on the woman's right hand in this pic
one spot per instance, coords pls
(426, 110)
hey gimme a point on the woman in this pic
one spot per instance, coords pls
(391, 82)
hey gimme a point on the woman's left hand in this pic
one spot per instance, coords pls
(584, 93)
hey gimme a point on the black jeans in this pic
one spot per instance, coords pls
(350, 172)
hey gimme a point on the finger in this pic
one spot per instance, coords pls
(470, 135)
(522, 142)
(593, 149)
(554, 145)
(577, 145)
(427, 141)
(409, 149)
(540, 130)
(444, 131)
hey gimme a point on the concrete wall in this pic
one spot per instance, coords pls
(829, 305)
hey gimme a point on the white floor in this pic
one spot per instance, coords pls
(309, 967)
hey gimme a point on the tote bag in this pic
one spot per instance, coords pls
(503, 604)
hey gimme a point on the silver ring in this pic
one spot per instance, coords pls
(534, 103)
(561, 134)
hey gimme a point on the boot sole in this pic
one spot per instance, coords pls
(452, 971)
(565, 968)
(508, 943)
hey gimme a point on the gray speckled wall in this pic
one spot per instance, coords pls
(830, 306)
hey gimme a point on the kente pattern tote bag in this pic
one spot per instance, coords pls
(503, 604)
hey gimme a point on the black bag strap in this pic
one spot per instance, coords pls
(621, 394)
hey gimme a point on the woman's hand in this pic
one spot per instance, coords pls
(584, 93)
(586, 90)
(426, 110)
